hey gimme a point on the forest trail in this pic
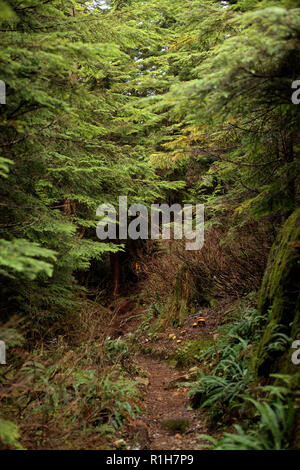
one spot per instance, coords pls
(149, 224)
(168, 420)
(164, 405)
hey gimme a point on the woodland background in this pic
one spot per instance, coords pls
(184, 101)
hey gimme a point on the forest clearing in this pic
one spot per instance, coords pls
(150, 222)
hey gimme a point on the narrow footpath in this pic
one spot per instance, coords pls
(172, 424)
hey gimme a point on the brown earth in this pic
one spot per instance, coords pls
(164, 404)
(163, 399)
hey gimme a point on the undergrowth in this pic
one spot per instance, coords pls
(230, 392)
(73, 391)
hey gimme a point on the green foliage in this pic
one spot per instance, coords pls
(9, 435)
(191, 352)
(156, 309)
(279, 296)
(238, 126)
(161, 101)
(120, 397)
(233, 374)
(274, 422)
(21, 256)
(112, 399)
(68, 142)
(115, 350)
(231, 377)
(227, 394)
(11, 337)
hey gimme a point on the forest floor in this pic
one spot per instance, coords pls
(166, 406)
(169, 422)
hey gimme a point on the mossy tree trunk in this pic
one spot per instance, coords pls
(279, 297)
(279, 300)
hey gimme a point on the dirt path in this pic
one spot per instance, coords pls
(167, 405)
(163, 404)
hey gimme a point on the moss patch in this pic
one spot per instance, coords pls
(179, 304)
(279, 293)
(189, 353)
(176, 425)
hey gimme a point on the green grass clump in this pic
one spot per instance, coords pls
(176, 425)
(190, 352)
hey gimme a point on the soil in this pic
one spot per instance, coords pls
(165, 404)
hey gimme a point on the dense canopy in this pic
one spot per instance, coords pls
(162, 101)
